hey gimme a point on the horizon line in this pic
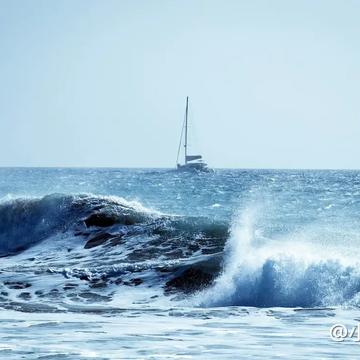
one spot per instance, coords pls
(171, 168)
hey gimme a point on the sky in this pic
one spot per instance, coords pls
(272, 84)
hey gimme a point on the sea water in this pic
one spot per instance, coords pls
(159, 264)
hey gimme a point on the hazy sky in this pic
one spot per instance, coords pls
(272, 84)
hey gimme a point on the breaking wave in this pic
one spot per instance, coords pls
(100, 220)
(113, 242)
(261, 272)
(66, 250)
(27, 221)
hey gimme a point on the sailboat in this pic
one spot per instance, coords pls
(191, 162)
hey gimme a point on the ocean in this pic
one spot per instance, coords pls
(160, 264)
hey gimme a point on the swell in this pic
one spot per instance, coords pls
(24, 222)
(79, 249)
(103, 220)
(112, 242)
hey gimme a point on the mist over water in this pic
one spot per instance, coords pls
(234, 249)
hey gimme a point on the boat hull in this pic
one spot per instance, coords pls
(193, 167)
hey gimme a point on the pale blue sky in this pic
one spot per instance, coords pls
(272, 84)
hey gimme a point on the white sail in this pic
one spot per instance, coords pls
(190, 164)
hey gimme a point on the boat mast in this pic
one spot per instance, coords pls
(186, 127)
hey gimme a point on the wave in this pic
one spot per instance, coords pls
(27, 221)
(79, 249)
(286, 273)
(99, 220)
(111, 241)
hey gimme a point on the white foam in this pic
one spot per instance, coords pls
(293, 270)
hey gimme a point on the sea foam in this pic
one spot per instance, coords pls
(286, 272)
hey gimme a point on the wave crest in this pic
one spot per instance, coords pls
(100, 220)
(27, 221)
(282, 273)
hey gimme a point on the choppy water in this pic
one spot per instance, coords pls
(132, 264)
